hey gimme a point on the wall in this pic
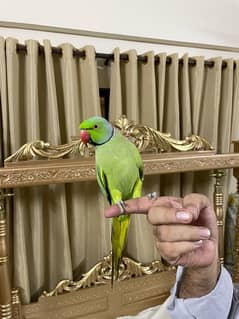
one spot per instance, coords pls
(213, 21)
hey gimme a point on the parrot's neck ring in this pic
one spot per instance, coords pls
(107, 140)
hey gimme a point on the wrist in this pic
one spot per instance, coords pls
(199, 281)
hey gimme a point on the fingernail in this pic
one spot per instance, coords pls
(204, 232)
(198, 243)
(183, 215)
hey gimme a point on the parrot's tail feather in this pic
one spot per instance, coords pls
(112, 274)
(115, 269)
(118, 238)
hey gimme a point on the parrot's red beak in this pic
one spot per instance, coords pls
(84, 136)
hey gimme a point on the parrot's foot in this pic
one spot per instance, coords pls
(122, 206)
(153, 195)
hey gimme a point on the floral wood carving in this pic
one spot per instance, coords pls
(72, 171)
(100, 274)
(44, 150)
(145, 138)
(148, 139)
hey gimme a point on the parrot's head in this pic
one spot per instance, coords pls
(96, 130)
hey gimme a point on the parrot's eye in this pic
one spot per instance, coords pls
(95, 126)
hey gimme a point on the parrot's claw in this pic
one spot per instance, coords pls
(122, 206)
(152, 195)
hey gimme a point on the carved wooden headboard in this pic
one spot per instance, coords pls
(141, 285)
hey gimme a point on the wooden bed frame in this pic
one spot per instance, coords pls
(141, 286)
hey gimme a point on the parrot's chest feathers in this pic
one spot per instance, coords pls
(117, 161)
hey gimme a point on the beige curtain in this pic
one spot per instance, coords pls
(180, 99)
(46, 96)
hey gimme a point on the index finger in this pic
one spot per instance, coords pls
(200, 207)
(143, 204)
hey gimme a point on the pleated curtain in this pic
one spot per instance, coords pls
(59, 231)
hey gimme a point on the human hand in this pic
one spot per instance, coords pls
(186, 234)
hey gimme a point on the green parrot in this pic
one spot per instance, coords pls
(119, 171)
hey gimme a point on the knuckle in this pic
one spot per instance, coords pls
(152, 216)
(174, 261)
(155, 232)
(170, 252)
(162, 233)
(148, 217)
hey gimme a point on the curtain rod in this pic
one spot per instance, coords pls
(123, 56)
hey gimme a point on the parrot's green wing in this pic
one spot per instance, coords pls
(140, 165)
(102, 182)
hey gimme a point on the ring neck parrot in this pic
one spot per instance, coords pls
(119, 172)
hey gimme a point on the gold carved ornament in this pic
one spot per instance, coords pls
(100, 274)
(145, 138)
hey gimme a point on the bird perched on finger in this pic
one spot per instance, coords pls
(119, 171)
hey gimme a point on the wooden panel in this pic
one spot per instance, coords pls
(103, 302)
(42, 172)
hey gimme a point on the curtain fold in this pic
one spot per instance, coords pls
(129, 84)
(147, 91)
(196, 74)
(171, 116)
(116, 109)
(46, 97)
(211, 102)
(52, 125)
(125, 88)
(184, 99)
(208, 119)
(185, 111)
(170, 184)
(160, 75)
(59, 231)
(5, 131)
(225, 108)
(235, 103)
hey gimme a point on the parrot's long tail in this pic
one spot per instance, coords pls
(118, 238)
